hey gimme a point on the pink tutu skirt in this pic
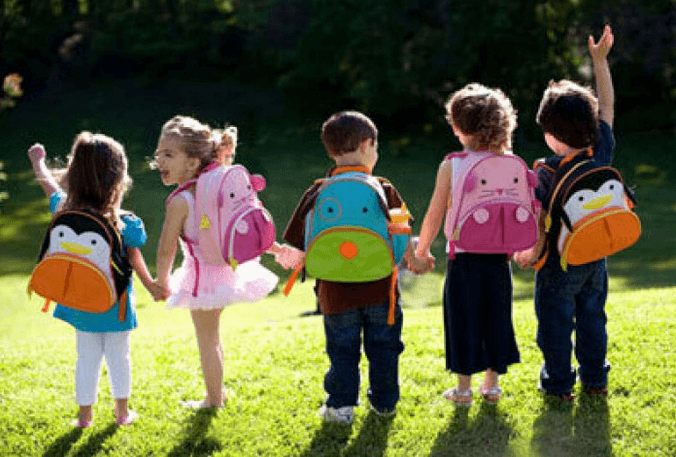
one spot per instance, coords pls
(219, 286)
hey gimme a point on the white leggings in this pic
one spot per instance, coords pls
(91, 348)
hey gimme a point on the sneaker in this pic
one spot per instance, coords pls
(384, 412)
(343, 415)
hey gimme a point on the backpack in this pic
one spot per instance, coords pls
(82, 264)
(589, 211)
(234, 227)
(493, 206)
(351, 235)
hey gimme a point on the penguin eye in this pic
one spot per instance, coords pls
(483, 182)
(580, 198)
(612, 186)
(61, 235)
(93, 242)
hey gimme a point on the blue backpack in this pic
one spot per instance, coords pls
(350, 233)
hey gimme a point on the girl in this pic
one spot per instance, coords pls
(479, 334)
(185, 147)
(96, 179)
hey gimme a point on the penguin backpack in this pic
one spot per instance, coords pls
(350, 233)
(590, 211)
(82, 264)
(493, 208)
(234, 227)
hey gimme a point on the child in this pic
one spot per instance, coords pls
(186, 147)
(573, 120)
(350, 139)
(96, 178)
(477, 300)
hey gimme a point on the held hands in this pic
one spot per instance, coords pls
(36, 153)
(288, 256)
(526, 259)
(160, 292)
(420, 264)
(600, 50)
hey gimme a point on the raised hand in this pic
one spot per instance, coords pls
(600, 49)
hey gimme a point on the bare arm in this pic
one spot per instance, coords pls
(177, 211)
(436, 210)
(604, 82)
(43, 175)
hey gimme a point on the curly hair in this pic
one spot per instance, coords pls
(484, 114)
(195, 139)
(569, 112)
(343, 132)
(96, 176)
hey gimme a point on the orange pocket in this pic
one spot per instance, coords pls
(74, 283)
(600, 236)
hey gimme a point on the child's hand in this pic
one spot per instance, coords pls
(601, 49)
(421, 264)
(36, 153)
(158, 291)
(526, 259)
(288, 256)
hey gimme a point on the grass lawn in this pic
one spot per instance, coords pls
(275, 359)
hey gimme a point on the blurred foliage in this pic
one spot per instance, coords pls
(11, 89)
(396, 60)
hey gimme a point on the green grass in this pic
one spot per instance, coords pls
(275, 359)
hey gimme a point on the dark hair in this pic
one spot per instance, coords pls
(96, 175)
(345, 131)
(483, 113)
(569, 112)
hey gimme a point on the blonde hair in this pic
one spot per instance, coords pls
(484, 114)
(195, 139)
(227, 142)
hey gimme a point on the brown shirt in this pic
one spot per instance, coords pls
(337, 297)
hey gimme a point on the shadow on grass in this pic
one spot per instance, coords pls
(372, 438)
(195, 442)
(328, 441)
(94, 444)
(63, 444)
(564, 430)
(487, 434)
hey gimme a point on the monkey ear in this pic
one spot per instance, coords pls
(258, 182)
(470, 183)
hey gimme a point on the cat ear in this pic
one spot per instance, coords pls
(470, 182)
(257, 182)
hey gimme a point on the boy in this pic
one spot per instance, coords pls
(573, 120)
(350, 139)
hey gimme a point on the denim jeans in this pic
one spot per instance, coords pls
(566, 302)
(382, 345)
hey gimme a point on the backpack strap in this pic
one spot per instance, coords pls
(180, 189)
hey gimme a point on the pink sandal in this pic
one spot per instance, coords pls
(126, 420)
(82, 424)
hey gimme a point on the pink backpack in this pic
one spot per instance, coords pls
(493, 208)
(233, 224)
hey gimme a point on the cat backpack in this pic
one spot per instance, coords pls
(590, 211)
(233, 224)
(351, 235)
(493, 206)
(82, 264)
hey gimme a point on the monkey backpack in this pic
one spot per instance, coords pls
(82, 264)
(493, 207)
(590, 211)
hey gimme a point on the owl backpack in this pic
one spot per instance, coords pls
(350, 233)
(234, 227)
(589, 210)
(493, 207)
(82, 264)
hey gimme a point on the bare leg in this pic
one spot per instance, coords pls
(85, 414)
(211, 354)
